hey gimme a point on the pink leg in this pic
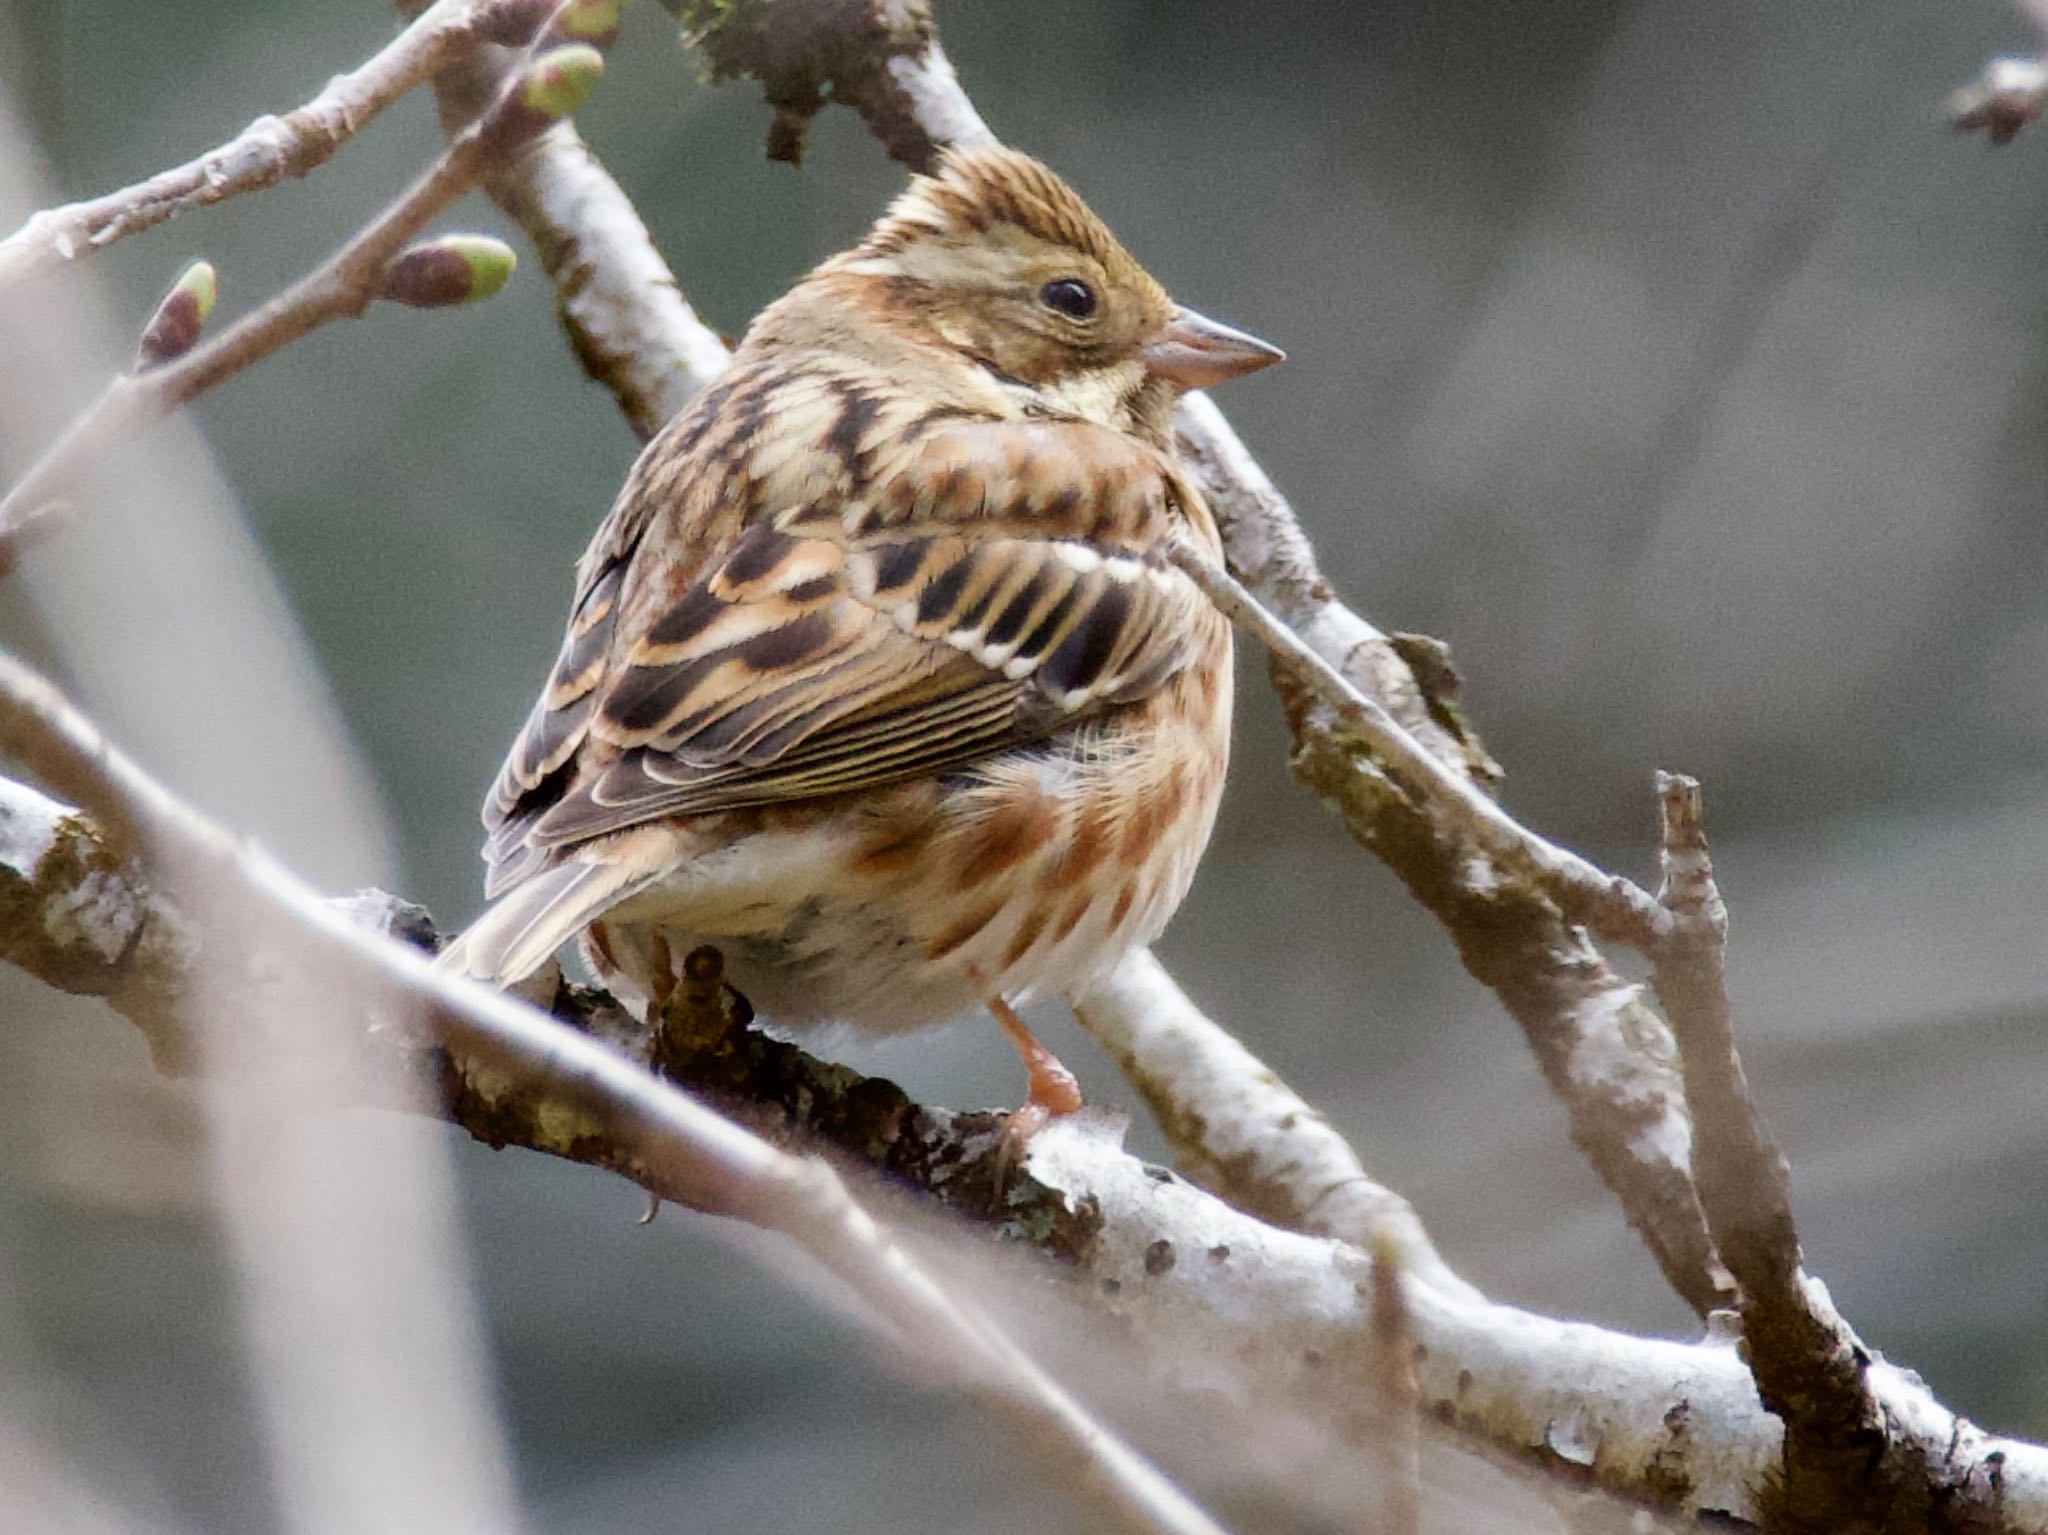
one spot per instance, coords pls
(1052, 1091)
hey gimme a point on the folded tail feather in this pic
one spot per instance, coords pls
(523, 928)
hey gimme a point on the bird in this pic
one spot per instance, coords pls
(880, 676)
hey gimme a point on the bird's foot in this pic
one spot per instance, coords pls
(1053, 1091)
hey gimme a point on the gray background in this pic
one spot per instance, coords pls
(1667, 358)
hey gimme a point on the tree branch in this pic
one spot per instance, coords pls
(1845, 1462)
(1239, 1131)
(1212, 1292)
(268, 151)
(1608, 1057)
(517, 1072)
(619, 304)
(551, 85)
(1609, 904)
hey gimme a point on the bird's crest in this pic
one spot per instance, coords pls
(973, 190)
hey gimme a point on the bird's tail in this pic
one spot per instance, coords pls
(524, 927)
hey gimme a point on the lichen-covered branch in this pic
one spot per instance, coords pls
(1607, 1055)
(271, 149)
(509, 1067)
(1676, 1426)
(1213, 1293)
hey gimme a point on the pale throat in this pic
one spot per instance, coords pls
(1102, 395)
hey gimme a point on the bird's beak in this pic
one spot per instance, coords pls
(1196, 352)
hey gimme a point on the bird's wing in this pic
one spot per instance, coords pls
(936, 596)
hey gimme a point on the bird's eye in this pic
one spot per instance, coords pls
(1070, 296)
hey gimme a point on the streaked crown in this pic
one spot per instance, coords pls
(995, 262)
(975, 190)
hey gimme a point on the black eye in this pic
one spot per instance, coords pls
(1070, 296)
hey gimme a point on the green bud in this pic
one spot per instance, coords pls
(544, 23)
(587, 21)
(561, 80)
(448, 270)
(174, 329)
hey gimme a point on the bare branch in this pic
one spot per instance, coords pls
(1675, 1426)
(1238, 1130)
(1608, 903)
(627, 320)
(1395, 1393)
(1843, 1461)
(1211, 1291)
(880, 57)
(1609, 1057)
(552, 85)
(1745, 1187)
(269, 150)
(669, 1142)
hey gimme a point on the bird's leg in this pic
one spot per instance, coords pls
(1053, 1089)
(664, 976)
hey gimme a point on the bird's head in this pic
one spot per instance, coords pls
(996, 259)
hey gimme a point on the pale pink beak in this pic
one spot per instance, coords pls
(1196, 352)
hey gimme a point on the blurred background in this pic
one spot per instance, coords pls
(1667, 358)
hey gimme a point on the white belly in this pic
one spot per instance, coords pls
(814, 929)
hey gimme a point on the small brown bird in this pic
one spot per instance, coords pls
(878, 676)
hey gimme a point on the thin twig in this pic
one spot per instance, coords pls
(625, 316)
(346, 284)
(1842, 1462)
(1608, 903)
(693, 1154)
(1744, 1184)
(1395, 1395)
(271, 149)
(1605, 1053)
